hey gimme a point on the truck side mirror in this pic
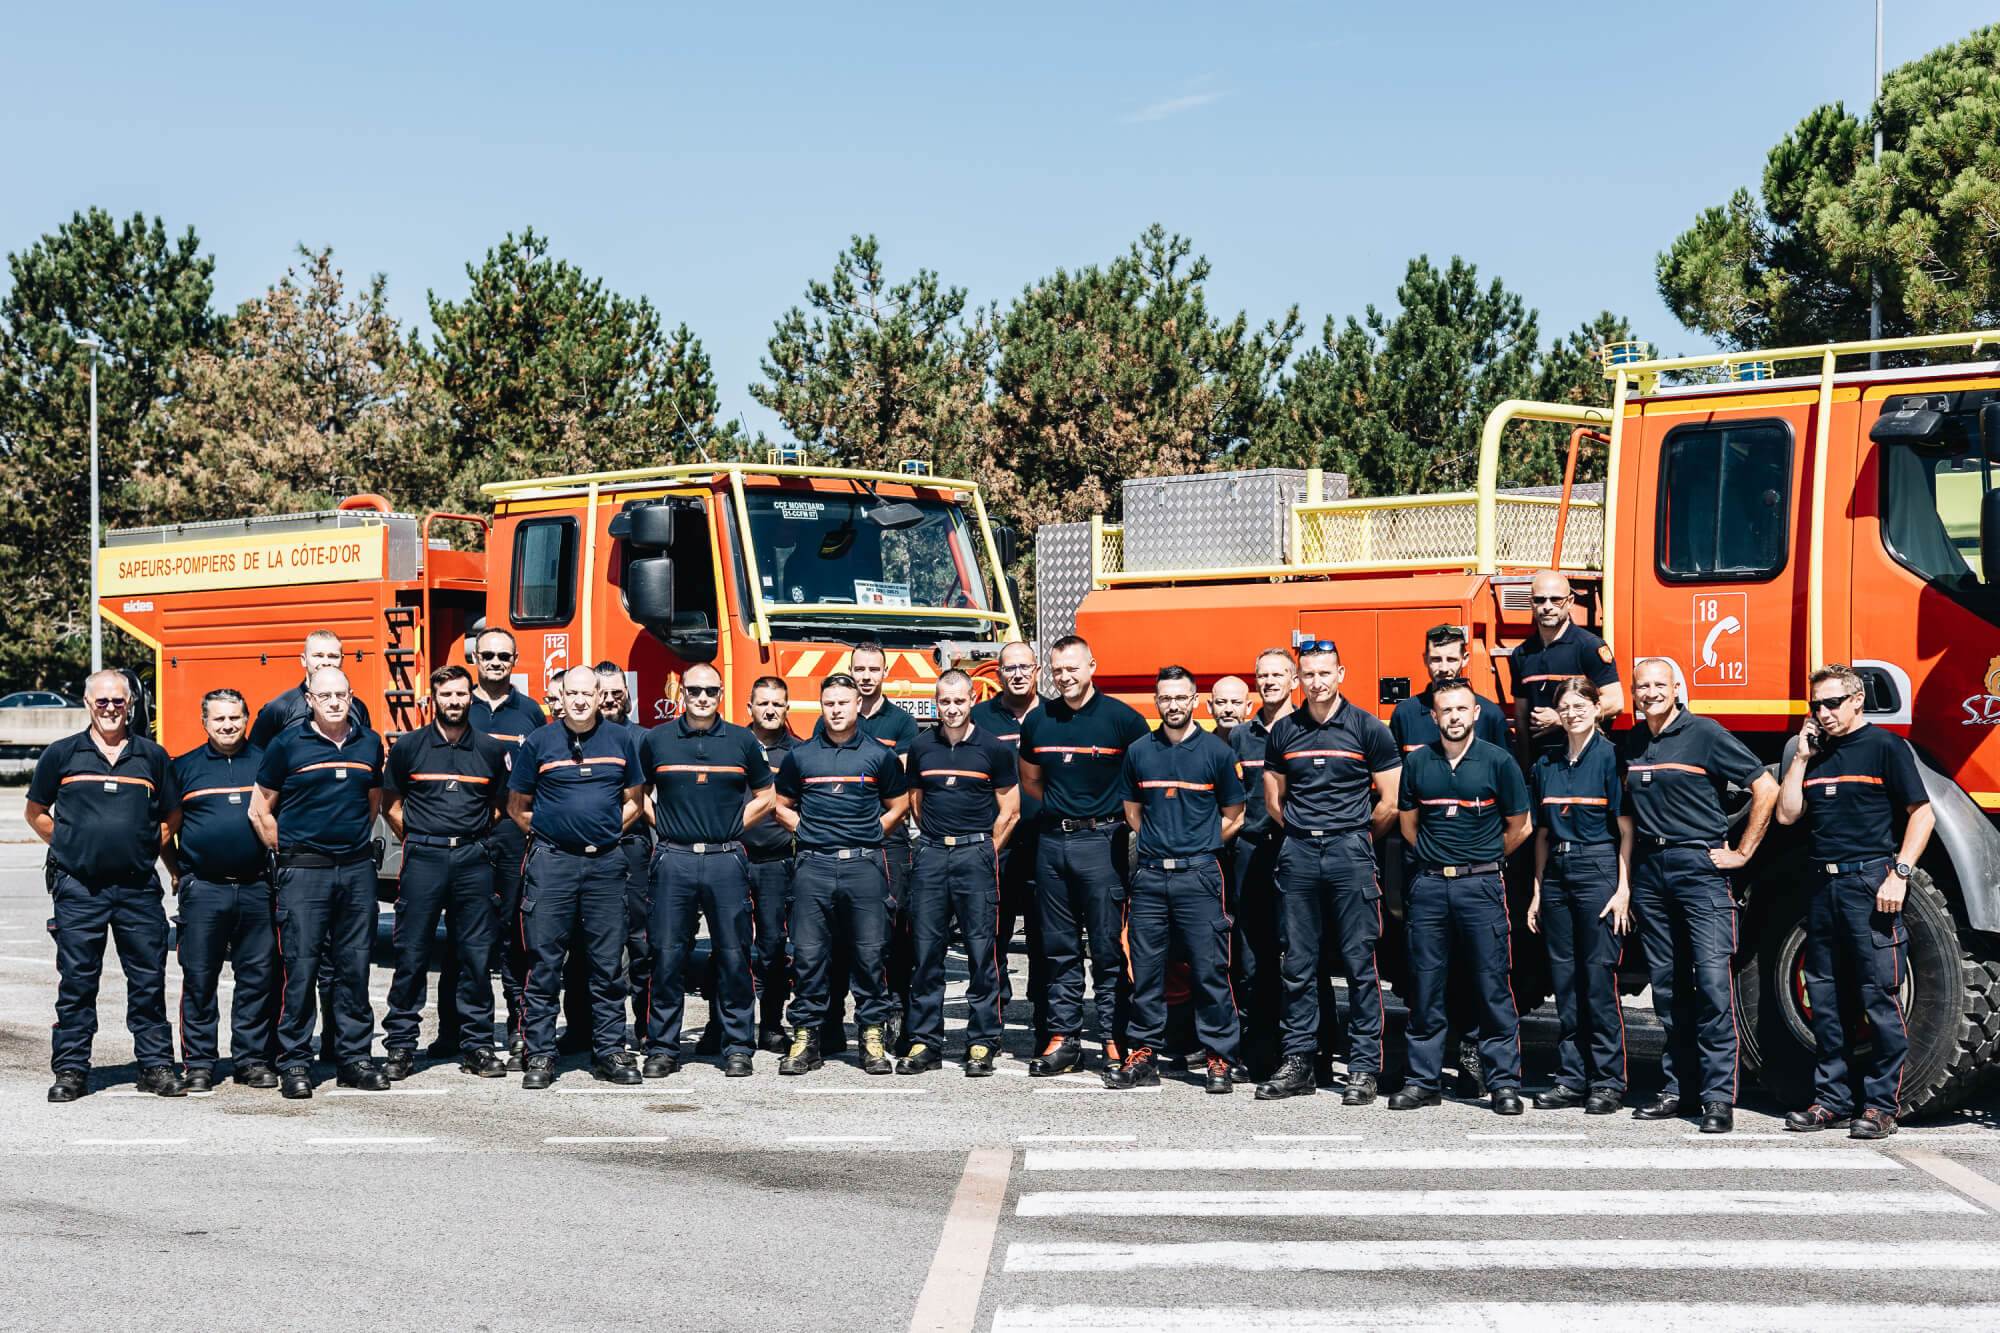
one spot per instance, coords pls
(1989, 430)
(652, 525)
(1008, 543)
(1989, 538)
(1922, 429)
(649, 591)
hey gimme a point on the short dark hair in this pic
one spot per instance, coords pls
(1451, 684)
(608, 668)
(869, 646)
(445, 675)
(1168, 673)
(223, 696)
(506, 634)
(839, 680)
(1068, 641)
(953, 677)
(771, 683)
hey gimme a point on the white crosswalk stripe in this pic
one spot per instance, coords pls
(1365, 1257)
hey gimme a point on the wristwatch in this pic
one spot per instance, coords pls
(1903, 869)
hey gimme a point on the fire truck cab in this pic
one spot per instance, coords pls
(1749, 528)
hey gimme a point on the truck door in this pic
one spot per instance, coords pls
(1718, 555)
(542, 598)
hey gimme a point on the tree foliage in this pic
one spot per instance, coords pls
(550, 372)
(881, 371)
(1795, 265)
(314, 397)
(1396, 401)
(145, 294)
(1121, 371)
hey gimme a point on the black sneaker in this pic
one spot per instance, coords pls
(1218, 1081)
(1140, 1070)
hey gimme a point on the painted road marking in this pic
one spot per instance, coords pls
(609, 1138)
(1496, 1317)
(1961, 1178)
(949, 1302)
(1457, 1159)
(1481, 1203)
(368, 1142)
(1384, 1256)
(126, 1143)
(1308, 1138)
(1076, 1138)
(839, 1138)
(1523, 1138)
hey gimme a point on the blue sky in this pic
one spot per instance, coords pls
(713, 158)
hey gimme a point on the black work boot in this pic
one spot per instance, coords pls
(1140, 1070)
(1062, 1055)
(874, 1051)
(399, 1064)
(162, 1081)
(804, 1057)
(1294, 1078)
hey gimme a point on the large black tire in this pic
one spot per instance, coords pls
(1951, 999)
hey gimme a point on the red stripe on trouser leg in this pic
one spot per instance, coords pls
(1736, 1066)
(999, 1005)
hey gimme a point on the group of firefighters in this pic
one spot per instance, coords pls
(1238, 864)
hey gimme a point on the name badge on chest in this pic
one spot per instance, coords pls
(837, 788)
(1173, 793)
(340, 775)
(951, 781)
(1069, 758)
(1319, 761)
(1646, 778)
(583, 772)
(110, 784)
(236, 798)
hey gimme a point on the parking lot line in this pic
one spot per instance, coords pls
(1484, 1203)
(366, 1142)
(1497, 1316)
(609, 1138)
(126, 1143)
(1457, 1159)
(1380, 1256)
(1961, 1178)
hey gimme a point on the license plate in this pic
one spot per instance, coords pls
(924, 708)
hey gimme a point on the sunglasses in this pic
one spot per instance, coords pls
(497, 657)
(1832, 702)
(702, 691)
(110, 705)
(1018, 668)
(331, 696)
(1551, 601)
(1319, 646)
(1442, 634)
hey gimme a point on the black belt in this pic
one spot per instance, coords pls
(311, 860)
(1460, 872)
(255, 877)
(844, 853)
(1565, 848)
(957, 839)
(439, 840)
(1694, 845)
(1178, 862)
(589, 849)
(703, 848)
(1294, 831)
(1856, 867)
(1057, 824)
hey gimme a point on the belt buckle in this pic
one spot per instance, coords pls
(1832, 869)
(1449, 872)
(698, 847)
(1169, 863)
(950, 840)
(1315, 833)
(590, 850)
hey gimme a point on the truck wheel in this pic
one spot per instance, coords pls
(1950, 999)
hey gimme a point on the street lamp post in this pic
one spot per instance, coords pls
(1875, 279)
(96, 621)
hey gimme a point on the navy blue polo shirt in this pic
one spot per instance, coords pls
(216, 840)
(1579, 800)
(1248, 742)
(1674, 781)
(892, 726)
(510, 722)
(1329, 767)
(960, 781)
(1181, 788)
(993, 718)
(840, 789)
(450, 789)
(702, 778)
(1539, 669)
(1858, 790)
(1081, 754)
(322, 788)
(1462, 812)
(578, 782)
(290, 709)
(107, 815)
(768, 839)
(1411, 724)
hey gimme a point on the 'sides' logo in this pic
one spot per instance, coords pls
(1983, 710)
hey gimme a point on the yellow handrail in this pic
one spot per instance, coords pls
(692, 471)
(1517, 409)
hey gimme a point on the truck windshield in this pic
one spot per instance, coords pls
(819, 550)
(1930, 517)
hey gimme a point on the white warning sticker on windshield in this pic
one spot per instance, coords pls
(869, 592)
(806, 509)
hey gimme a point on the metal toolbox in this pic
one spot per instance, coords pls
(1211, 520)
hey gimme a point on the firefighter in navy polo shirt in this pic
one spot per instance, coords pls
(288, 709)
(1183, 795)
(1253, 869)
(1002, 717)
(1855, 781)
(100, 800)
(1558, 649)
(1072, 759)
(964, 799)
(1582, 903)
(222, 877)
(445, 784)
(1464, 809)
(615, 709)
(1331, 773)
(710, 782)
(1445, 656)
(508, 716)
(894, 727)
(1676, 768)
(842, 793)
(769, 845)
(574, 790)
(318, 791)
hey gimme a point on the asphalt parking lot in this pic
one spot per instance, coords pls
(839, 1201)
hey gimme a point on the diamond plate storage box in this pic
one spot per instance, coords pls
(1062, 580)
(1211, 520)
